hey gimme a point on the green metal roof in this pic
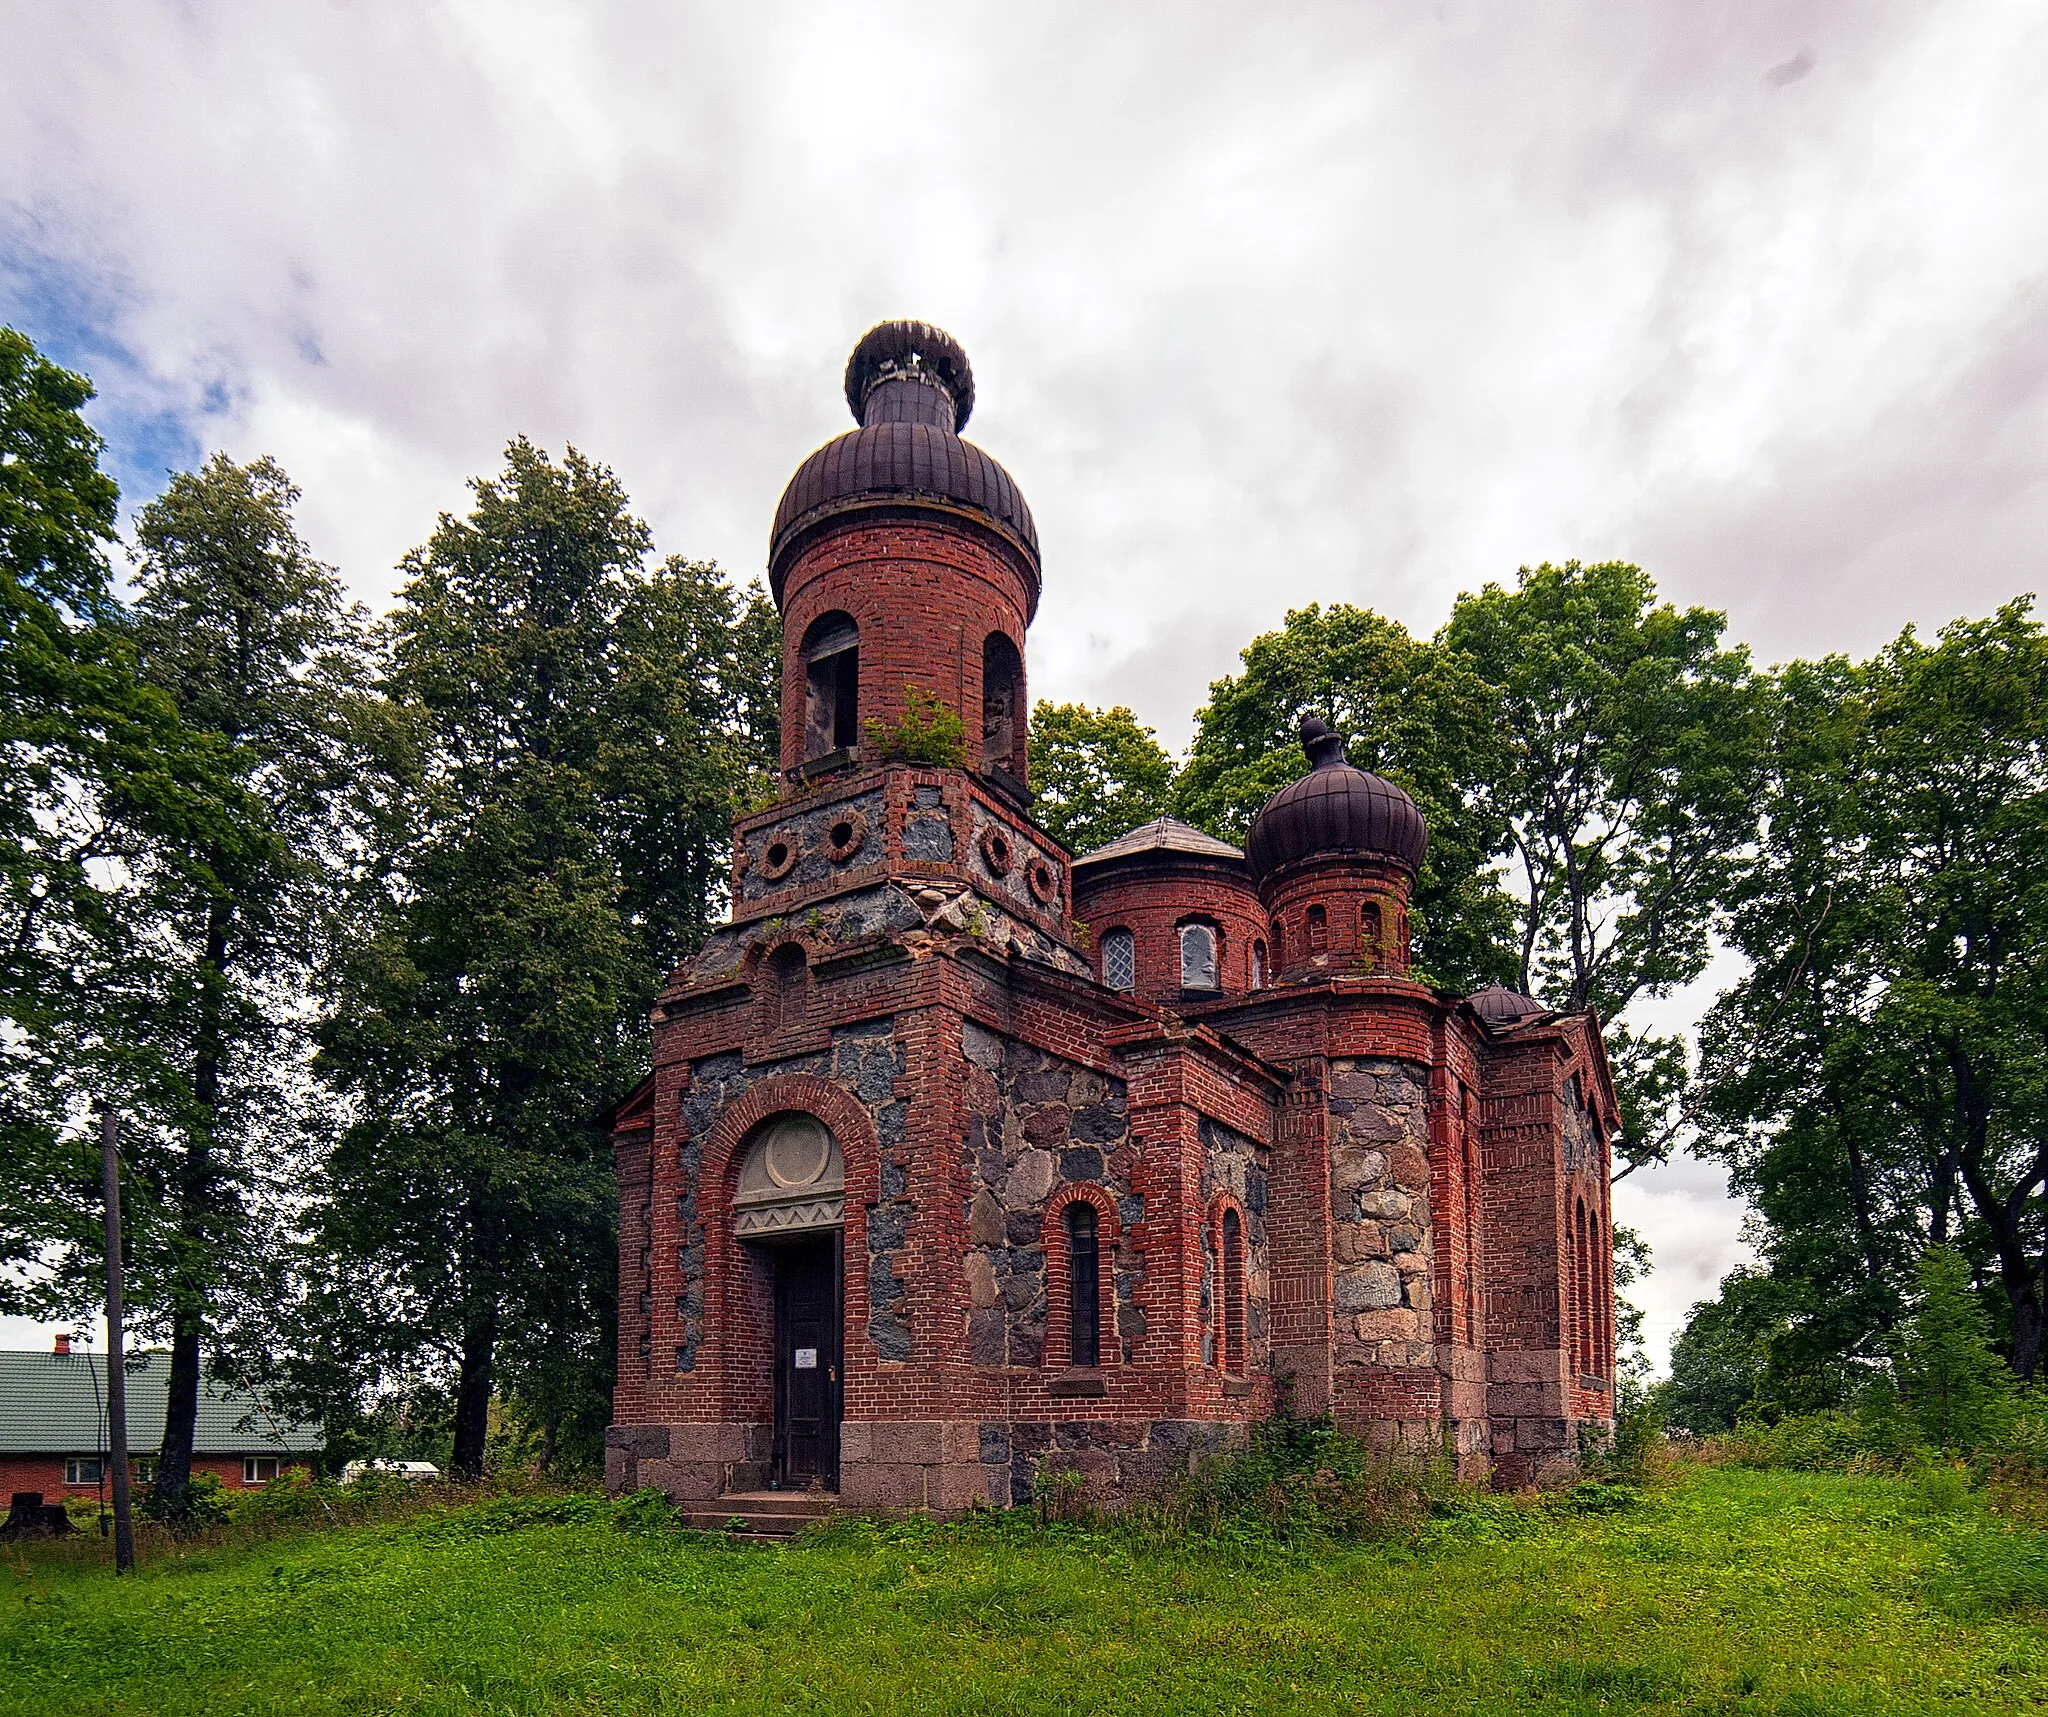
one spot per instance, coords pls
(54, 1404)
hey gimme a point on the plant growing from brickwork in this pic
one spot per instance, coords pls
(927, 732)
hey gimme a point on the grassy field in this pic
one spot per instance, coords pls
(1727, 1591)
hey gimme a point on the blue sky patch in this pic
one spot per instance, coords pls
(153, 426)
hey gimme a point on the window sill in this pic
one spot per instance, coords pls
(1009, 786)
(830, 763)
(1073, 1384)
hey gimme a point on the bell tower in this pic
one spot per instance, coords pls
(905, 563)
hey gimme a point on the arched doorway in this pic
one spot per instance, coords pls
(789, 1210)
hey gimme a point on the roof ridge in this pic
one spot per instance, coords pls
(1163, 833)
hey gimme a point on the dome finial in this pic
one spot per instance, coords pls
(910, 372)
(1324, 746)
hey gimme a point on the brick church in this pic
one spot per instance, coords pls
(964, 1158)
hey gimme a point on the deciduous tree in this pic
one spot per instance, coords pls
(1631, 753)
(1097, 773)
(1876, 1080)
(1408, 709)
(263, 659)
(581, 728)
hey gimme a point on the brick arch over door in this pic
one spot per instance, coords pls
(859, 1146)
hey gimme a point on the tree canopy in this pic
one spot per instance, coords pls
(1097, 773)
(579, 729)
(1408, 709)
(1874, 1079)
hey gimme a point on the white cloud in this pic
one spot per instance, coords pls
(1311, 303)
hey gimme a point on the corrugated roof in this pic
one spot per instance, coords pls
(54, 1404)
(1162, 834)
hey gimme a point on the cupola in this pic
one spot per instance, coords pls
(1335, 855)
(904, 559)
(1172, 915)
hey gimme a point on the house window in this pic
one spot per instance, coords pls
(1197, 957)
(1318, 930)
(1258, 965)
(831, 685)
(144, 1468)
(258, 1469)
(1119, 960)
(1084, 1284)
(82, 1469)
(1233, 1294)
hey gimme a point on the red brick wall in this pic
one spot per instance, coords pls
(46, 1474)
(1354, 894)
(925, 595)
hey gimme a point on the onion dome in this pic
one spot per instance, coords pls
(1502, 1007)
(911, 389)
(1335, 808)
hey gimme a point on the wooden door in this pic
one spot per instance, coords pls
(809, 1386)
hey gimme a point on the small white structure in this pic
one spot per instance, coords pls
(409, 1470)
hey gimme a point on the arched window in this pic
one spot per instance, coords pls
(1084, 1284)
(1258, 965)
(1318, 930)
(1603, 1264)
(783, 979)
(1583, 1282)
(831, 685)
(1119, 960)
(1002, 706)
(1233, 1294)
(1198, 957)
(1369, 936)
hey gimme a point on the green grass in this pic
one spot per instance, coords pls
(1729, 1591)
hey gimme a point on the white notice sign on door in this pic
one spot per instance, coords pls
(807, 1359)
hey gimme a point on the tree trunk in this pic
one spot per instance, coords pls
(1859, 1172)
(195, 1199)
(171, 1491)
(2026, 1333)
(2002, 1217)
(473, 1393)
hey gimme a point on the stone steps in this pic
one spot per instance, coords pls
(777, 1515)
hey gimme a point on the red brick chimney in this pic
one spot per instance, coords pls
(63, 1347)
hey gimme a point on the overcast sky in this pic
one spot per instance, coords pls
(1267, 305)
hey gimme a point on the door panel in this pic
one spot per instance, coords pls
(808, 1383)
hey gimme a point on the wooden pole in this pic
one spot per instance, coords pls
(117, 1380)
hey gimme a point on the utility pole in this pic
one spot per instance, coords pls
(117, 1380)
